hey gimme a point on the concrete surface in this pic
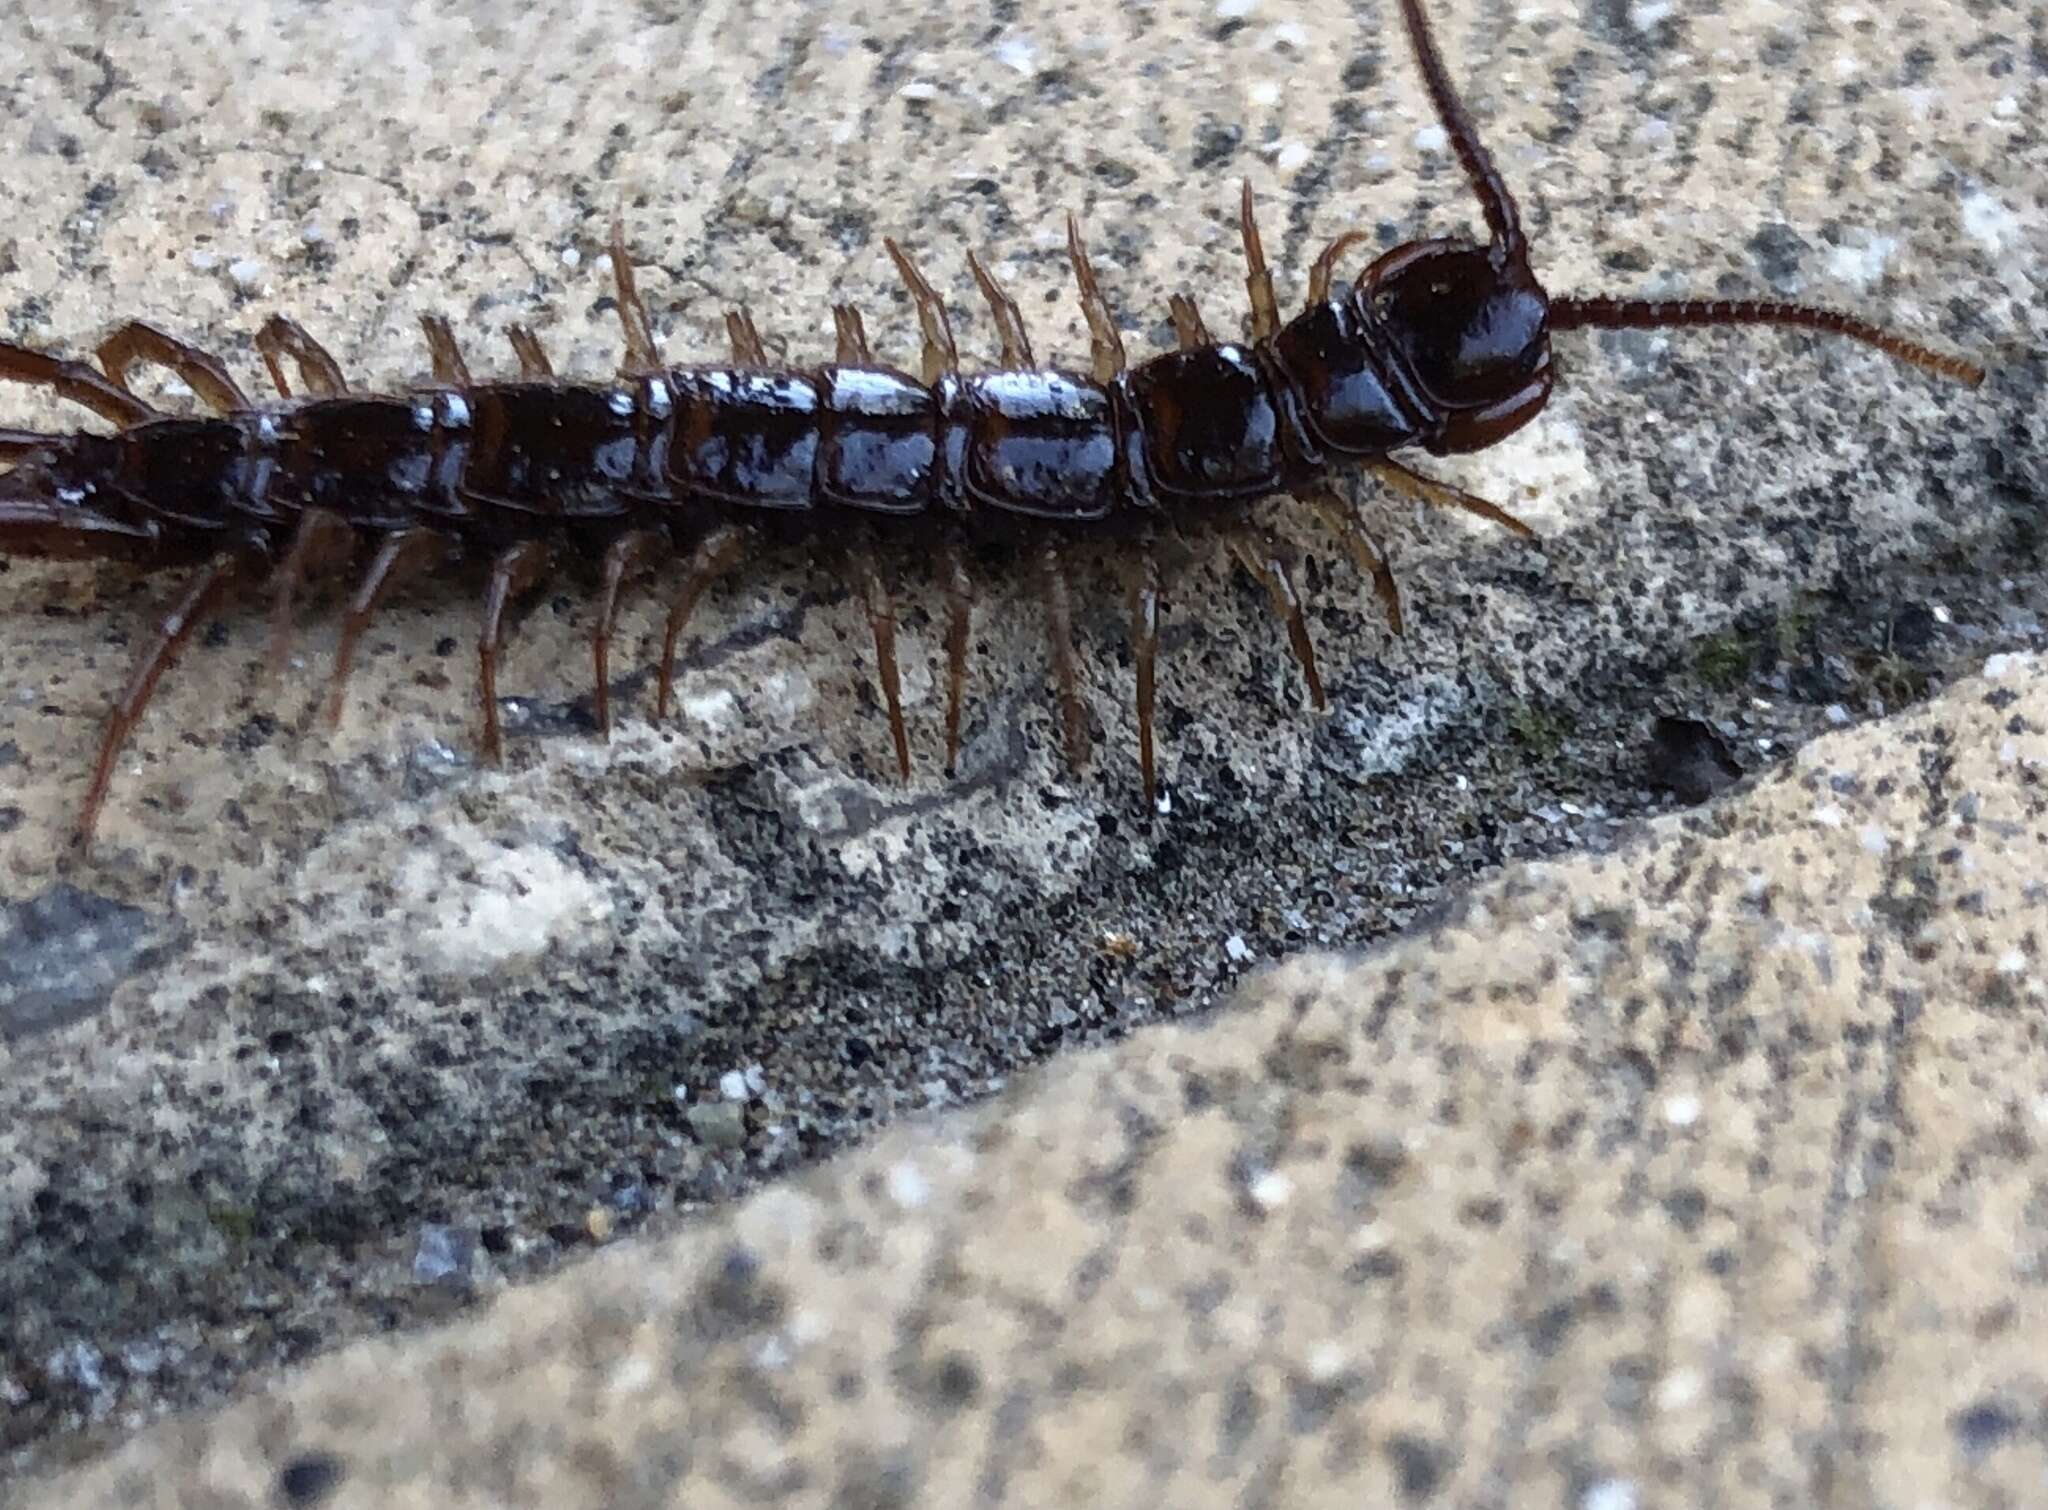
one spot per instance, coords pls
(339, 1033)
(1704, 1172)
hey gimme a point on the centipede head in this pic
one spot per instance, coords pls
(1473, 328)
(1473, 324)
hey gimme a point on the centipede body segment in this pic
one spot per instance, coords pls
(1441, 345)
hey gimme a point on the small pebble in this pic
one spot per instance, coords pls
(247, 274)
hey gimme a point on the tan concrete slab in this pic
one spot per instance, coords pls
(1705, 1172)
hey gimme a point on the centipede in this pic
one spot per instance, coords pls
(1441, 345)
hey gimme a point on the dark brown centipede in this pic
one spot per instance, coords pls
(1441, 344)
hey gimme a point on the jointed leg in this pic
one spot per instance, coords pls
(1144, 596)
(533, 362)
(402, 556)
(642, 357)
(959, 619)
(1059, 623)
(1105, 345)
(74, 381)
(200, 371)
(629, 553)
(940, 354)
(853, 337)
(748, 349)
(1442, 495)
(201, 600)
(715, 555)
(1370, 555)
(1187, 323)
(280, 338)
(449, 367)
(1270, 572)
(514, 571)
(1325, 267)
(882, 620)
(322, 539)
(1258, 282)
(1009, 319)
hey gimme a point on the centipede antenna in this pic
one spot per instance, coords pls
(1657, 314)
(1502, 218)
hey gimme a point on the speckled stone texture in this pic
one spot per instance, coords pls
(1702, 1172)
(339, 1032)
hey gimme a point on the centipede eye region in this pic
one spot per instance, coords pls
(1473, 333)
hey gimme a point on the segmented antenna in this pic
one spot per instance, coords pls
(1502, 218)
(1653, 314)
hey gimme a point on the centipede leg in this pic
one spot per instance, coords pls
(200, 601)
(533, 362)
(748, 349)
(940, 354)
(322, 538)
(959, 589)
(514, 571)
(1105, 345)
(318, 371)
(74, 381)
(642, 357)
(1144, 600)
(1188, 327)
(881, 610)
(1370, 555)
(624, 556)
(1263, 561)
(402, 556)
(138, 343)
(1009, 319)
(1442, 495)
(1059, 622)
(1258, 281)
(852, 337)
(715, 555)
(442, 350)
